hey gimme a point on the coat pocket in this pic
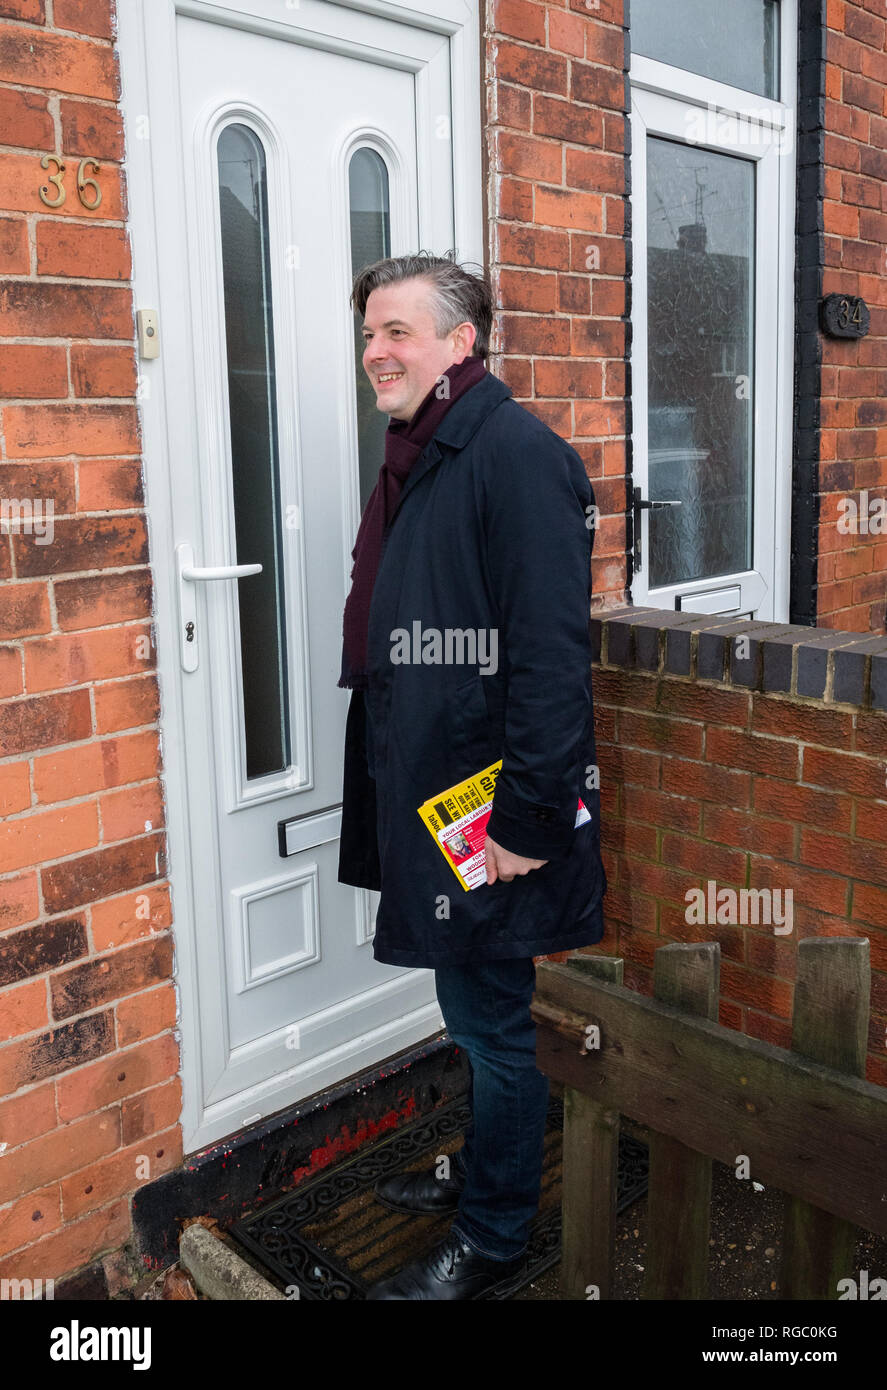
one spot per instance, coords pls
(471, 732)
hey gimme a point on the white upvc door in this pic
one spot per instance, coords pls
(273, 149)
(712, 286)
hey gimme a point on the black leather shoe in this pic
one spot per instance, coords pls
(452, 1270)
(420, 1194)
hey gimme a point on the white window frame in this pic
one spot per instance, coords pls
(656, 89)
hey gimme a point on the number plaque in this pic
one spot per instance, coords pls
(844, 316)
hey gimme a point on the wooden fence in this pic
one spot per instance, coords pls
(804, 1121)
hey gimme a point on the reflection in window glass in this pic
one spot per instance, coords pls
(243, 205)
(732, 41)
(701, 275)
(370, 241)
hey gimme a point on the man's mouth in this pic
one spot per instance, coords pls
(388, 377)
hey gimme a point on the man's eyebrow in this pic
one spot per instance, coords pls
(392, 323)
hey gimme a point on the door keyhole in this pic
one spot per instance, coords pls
(189, 632)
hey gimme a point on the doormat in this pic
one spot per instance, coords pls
(332, 1239)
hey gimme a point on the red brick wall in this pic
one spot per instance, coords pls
(853, 452)
(706, 780)
(89, 1097)
(556, 200)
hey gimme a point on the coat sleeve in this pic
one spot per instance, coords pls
(539, 538)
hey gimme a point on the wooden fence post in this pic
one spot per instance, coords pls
(687, 976)
(830, 1022)
(590, 1155)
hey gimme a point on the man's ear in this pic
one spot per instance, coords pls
(464, 335)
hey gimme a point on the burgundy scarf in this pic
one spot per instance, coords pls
(404, 442)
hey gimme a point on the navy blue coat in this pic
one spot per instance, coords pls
(492, 532)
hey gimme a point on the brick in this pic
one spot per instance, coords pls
(704, 858)
(109, 484)
(111, 977)
(11, 676)
(113, 1078)
(85, 16)
(844, 772)
(527, 157)
(44, 835)
(30, 1218)
(603, 173)
(19, 900)
(825, 892)
(661, 809)
(566, 33)
(120, 1173)
(126, 704)
(15, 788)
(96, 253)
(805, 723)
(568, 377)
(870, 904)
(597, 337)
(24, 1010)
(598, 86)
(531, 333)
(85, 543)
(152, 1111)
(527, 67)
(802, 804)
(559, 207)
(532, 246)
(755, 754)
(57, 63)
(37, 949)
(706, 782)
(131, 811)
(757, 990)
(535, 291)
(675, 737)
(24, 610)
(29, 370)
(104, 873)
(22, 178)
(565, 121)
(31, 309)
(41, 722)
(511, 106)
(97, 601)
(77, 658)
(54, 430)
(520, 19)
(32, 10)
(131, 916)
(75, 1245)
(712, 706)
(26, 1116)
(110, 762)
(146, 1014)
(15, 257)
(748, 831)
(89, 129)
(48, 1054)
(574, 294)
(25, 120)
(868, 862)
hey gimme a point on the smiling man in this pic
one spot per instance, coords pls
(481, 522)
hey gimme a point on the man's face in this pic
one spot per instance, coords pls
(403, 356)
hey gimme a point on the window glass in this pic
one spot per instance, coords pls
(732, 41)
(370, 241)
(249, 336)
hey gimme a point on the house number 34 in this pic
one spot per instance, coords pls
(88, 190)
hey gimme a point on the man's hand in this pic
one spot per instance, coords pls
(501, 863)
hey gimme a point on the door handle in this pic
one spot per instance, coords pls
(218, 571)
(644, 504)
(190, 574)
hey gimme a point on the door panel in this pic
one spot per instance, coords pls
(290, 996)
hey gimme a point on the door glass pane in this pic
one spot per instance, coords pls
(700, 268)
(370, 241)
(733, 41)
(243, 205)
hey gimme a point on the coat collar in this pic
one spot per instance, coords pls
(462, 420)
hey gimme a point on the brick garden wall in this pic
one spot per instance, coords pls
(757, 767)
(89, 1096)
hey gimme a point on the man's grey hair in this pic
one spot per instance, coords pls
(456, 294)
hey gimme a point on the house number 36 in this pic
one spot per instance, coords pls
(90, 200)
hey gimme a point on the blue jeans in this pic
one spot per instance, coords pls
(486, 1008)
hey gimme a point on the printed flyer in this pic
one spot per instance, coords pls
(457, 818)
